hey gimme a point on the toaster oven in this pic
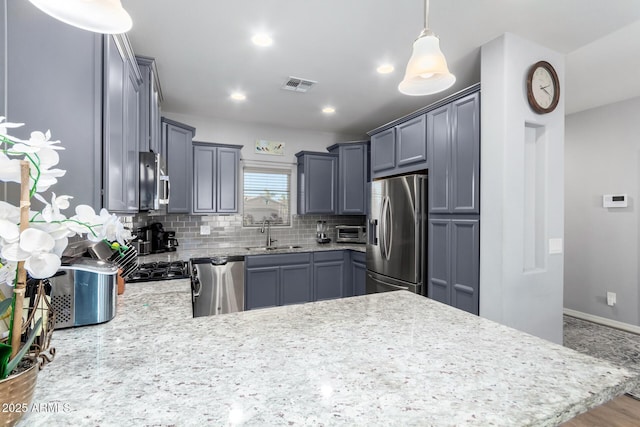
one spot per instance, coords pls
(351, 234)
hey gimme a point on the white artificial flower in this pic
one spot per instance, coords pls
(113, 229)
(9, 219)
(6, 125)
(51, 211)
(47, 158)
(86, 215)
(8, 273)
(9, 169)
(35, 248)
(37, 141)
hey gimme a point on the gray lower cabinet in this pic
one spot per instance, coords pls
(262, 287)
(215, 178)
(353, 177)
(358, 272)
(176, 150)
(317, 183)
(400, 149)
(454, 141)
(329, 270)
(274, 280)
(282, 279)
(454, 262)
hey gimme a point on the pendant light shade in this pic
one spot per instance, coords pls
(427, 70)
(99, 16)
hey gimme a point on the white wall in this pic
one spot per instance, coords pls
(522, 198)
(602, 156)
(246, 134)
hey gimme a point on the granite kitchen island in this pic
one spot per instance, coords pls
(383, 359)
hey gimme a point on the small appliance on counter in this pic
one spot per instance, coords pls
(162, 240)
(171, 243)
(351, 234)
(321, 232)
(84, 293)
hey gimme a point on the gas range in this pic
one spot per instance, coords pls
(160, 270)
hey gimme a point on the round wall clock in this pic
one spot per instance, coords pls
(543, 87)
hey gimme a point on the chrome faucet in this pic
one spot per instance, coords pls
(269, 239)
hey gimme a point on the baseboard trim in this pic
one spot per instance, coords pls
(603, 321)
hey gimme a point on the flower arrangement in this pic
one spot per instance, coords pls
(32, 242)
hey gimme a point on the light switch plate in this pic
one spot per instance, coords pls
(205, 230)
(555, 246)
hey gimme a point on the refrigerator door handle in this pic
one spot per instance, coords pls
(372, 232)
(386, 231)
(387, 284)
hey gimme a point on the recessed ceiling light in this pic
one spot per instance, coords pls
(385, 69)
(328, 110)
(238, 96)
(262, 39)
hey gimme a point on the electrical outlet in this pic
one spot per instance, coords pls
(205, 230)
(611, 298)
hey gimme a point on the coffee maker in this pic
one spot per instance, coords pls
(321, 232)
(157, 238)
(171, 243)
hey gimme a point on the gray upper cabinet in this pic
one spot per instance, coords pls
(150, 99)
(121, 136)
(411, 145)
(177, 149)
(465, 155)
(215, 178)
(383, 151)
(454, 141)
(89, 100)
(317, 183)
(67, 99)
(400, 149)
(353, 176)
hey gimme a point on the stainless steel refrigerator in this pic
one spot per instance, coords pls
(396, 242)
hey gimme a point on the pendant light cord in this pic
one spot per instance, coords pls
(426, 14)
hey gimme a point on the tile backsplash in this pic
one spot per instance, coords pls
(227, 230)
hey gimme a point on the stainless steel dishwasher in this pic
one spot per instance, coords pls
(217, 285)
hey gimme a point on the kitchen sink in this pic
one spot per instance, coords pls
(272, 248)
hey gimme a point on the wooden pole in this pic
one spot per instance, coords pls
(21, 284)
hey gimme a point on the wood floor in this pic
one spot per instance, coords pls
(623, 411)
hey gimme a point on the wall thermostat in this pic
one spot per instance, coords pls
(614, 201)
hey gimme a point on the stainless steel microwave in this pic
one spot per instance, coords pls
(351, 234)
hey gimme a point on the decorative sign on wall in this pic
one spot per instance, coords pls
(270, 147)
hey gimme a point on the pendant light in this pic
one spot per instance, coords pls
(427, 70)
(99, 16)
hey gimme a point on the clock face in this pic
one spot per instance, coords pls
(543, 89)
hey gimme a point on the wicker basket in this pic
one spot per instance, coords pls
(16, 393)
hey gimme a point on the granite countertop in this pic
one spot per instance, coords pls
(384, 359)
(185, 255)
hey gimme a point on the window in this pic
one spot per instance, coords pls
(266, 196)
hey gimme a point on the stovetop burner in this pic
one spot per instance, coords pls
(160, 270)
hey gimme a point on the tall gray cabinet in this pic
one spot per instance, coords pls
(453, 135)
(176, 151)
(86, 94)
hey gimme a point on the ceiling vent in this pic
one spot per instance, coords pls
(297, 84)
